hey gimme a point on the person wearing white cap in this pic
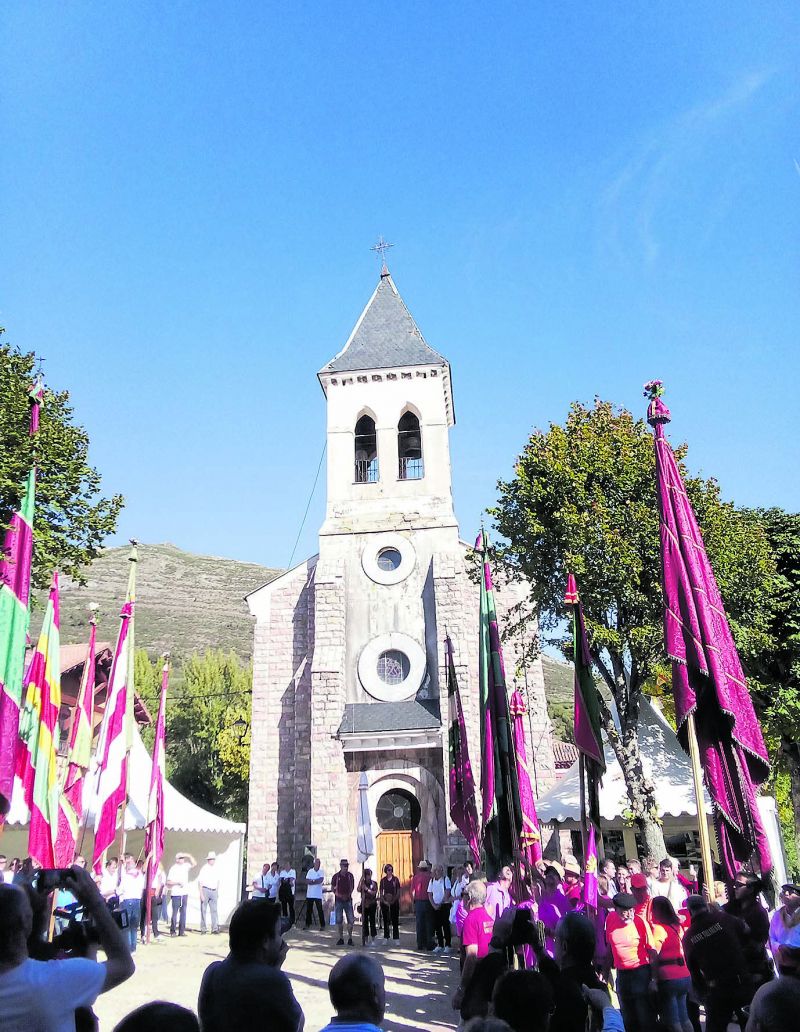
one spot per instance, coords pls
(208, 883)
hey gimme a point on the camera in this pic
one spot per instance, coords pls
(79, 932)
(49, 879)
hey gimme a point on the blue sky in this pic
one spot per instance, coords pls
(581, 196)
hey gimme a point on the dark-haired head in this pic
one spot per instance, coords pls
(255, 930)
(524, 999)
(159, 1016)
(575, 941)
(664, 912)
(356, 989)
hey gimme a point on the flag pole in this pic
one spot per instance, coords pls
(584, 818)
(133, 558)
(702, 820)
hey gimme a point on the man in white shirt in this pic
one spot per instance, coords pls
(287, 877)
(37, 994)
(208, 882)
(261, 883)
(109, 880)
(5, 875)
(131, 890)
(178, 883)
(666, 884)
(439, 897)
(315, 878)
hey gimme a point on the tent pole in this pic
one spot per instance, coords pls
(702, 820)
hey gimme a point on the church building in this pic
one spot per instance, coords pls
(349, 663)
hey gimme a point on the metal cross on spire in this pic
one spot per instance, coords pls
(380, 250)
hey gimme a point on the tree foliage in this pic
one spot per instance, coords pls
(208, 755)
(583, 500)
(72, 519)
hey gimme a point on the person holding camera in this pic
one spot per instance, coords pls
(45, 994)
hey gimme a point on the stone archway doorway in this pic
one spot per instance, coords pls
(399, 843)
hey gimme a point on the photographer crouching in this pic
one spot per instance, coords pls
(43, 995)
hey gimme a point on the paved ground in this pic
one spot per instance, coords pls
(419, 986)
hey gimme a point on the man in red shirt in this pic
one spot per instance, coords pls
(423, 911)
(629, 939)
(343, 884)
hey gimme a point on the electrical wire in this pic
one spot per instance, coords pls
(308, 505)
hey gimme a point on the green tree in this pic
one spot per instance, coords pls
(774, 672)
(72, 520)
(207, 727)
(583, 499)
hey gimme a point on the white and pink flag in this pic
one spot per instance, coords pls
(112, 754)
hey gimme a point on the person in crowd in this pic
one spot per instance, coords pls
(315, 879)
(573, 885)
(109, 881)
(669, 966)
(629, 939)
(462, 878)
(666, 884)
(6, 874)
(784, 931)
(609, 869)
(247, 992)
(178, 884)
(610, 1019)
(261, 883)
(570, 969)
(553, 904)
(208, 887)
(343, 886)
(159, 1016)
(158, 886)
(368, 888)
(475, 936)
(747, 906)
(524, 1000)
(634, 866)
(44, 995)
(498, 893)
(640, 890)
(623, 878)
(487, 1024)
(390, 903)
(713, 946)
(439, 898)
(605, 903)
(775, 1007)
(423, 915)
(287, 880)
(131, 889)
(357, 990)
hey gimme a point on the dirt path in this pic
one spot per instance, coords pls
(418, 986)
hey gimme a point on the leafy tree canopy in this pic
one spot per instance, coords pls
(583, 499)
(72, 519)
(207, 727)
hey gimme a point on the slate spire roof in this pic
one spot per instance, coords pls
(385, 336)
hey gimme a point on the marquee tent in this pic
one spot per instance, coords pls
(668, 767)
(187, 828)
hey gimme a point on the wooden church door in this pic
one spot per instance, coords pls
(403, 850)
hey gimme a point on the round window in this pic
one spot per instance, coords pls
(389, 559)
(393, 666)
(398, 811)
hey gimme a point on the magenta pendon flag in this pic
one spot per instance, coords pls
(530, 837)
(707, 676)
(463, 808)
(590, 890)
(15, 591)
(112, 756)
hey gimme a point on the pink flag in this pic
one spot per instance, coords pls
(590, 873)
(112, 756)
(79, 759)
(530, 838)
(154, 835)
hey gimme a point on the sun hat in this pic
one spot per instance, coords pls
(571, 864)
(423, 865)
(554, 865)
(211, 855)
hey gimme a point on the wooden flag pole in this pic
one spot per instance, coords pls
(702, 820)
(584, 818)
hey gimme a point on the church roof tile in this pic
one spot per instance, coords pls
(365, 717)
(385, 336)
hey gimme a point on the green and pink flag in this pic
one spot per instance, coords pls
(70, 812)
(707, 676)
(530, 837)
(501, 811)
(15, 591)
(38, 736)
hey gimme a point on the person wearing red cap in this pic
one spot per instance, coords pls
(640, 891)
(630, 942)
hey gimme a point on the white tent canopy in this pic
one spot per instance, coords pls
(664, 762)
(187, 828)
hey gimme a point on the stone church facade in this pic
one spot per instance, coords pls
(349, 666)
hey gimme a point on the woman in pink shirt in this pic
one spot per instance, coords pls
(553, 903)
(475, 935)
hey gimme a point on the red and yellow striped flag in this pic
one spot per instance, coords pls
(38, 731)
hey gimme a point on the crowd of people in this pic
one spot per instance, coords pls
(533, 956)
